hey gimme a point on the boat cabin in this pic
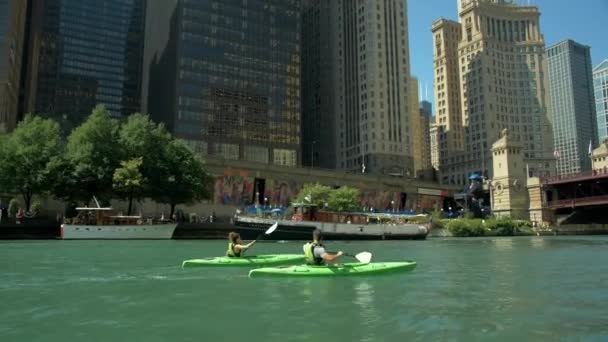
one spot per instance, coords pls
(103, 216)
(310, 212)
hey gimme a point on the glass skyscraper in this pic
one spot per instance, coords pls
(13, 16)
(600, 86)
(225, 76)
(84, 53)
(572, 105)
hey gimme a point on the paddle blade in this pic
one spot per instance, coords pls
(364, 257)
(272, 228)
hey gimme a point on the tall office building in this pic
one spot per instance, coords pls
(434, 138)
(83, 53)
(420, 134)
(225, 76)
(426, 117)
(13, 26)
(600, 86)
(426, 107)
(572, 105)
(490, 74)
(357, 106)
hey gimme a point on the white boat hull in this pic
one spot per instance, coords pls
(117, 232)
(354, 230)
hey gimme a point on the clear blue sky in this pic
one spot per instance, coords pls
(588, 18)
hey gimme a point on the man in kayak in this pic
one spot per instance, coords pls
(236, 248)
(315, 252)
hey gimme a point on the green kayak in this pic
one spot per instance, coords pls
(254, 260)
(350, 269)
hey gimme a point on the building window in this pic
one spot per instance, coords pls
(284, 157)
(256, 154)
(228, 151)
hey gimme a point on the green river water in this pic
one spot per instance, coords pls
(526, 289)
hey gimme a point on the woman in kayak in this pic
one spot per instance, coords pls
(315, 253)
(236, 248)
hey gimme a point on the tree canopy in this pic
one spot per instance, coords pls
(183, 176)
(128, 182)
(27, 157)
(102, 157)
(313, 193)
(344, 199)
(341, 199)
(92, 155)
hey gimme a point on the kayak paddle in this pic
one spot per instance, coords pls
(272, 228)
(269, 230)
(363, 257)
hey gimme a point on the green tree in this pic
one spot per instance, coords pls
(26, 157)
(314, 193)
(3, 162)
(183, 176)
(128, 181)
(92, 155)
(140, 137)
(344, 199)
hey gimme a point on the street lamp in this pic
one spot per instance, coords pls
(312, 155)
(393, 205)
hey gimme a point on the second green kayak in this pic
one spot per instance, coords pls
(254, 260)
(350, 269)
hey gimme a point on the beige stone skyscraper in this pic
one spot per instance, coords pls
(490, 74)
(355, 87)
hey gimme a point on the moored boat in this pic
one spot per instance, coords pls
(100, 223)
(335, 226)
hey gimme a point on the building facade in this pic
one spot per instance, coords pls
(490, 74)
(572, 105)
(13, 28)
(83, 53)
(434, 136)
(225, 76)
(356, 79)
(600, 87)
(600, 157)
(424, 136)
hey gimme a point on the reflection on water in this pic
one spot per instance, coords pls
(538, 242)
(364, 299)
(503, 244)
(537, 288)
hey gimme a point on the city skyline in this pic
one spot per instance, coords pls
(585, 26)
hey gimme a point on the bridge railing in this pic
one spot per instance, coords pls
(574, 176)
(574, 202)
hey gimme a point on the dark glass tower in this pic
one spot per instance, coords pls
(13, 27)
(84, 53)
(225, 76)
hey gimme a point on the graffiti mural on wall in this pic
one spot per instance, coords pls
(238, 191)
(429, 203)
(281, 192)
(385, 200)
(233, 190)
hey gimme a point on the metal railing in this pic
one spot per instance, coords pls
(574, 177)
(574, 202)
